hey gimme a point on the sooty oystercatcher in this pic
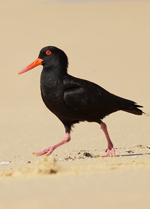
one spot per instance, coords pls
(72, 99)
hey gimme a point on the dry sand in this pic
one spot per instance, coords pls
(107, 43)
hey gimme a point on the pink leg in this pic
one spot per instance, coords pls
(50, 149)
(110, 149)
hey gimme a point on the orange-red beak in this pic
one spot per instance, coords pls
(37, 62)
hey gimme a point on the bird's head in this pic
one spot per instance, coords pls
(49, 57)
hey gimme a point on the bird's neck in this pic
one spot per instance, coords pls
(50, 76)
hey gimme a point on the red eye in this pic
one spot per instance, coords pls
(48, 52)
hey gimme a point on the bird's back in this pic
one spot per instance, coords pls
(77, 99)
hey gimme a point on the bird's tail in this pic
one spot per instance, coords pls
(134, 109)
(130, 106)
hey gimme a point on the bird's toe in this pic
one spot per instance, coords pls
(109, 151)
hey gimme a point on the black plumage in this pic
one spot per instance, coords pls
(72, 99)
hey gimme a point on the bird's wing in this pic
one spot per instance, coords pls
(89, 98)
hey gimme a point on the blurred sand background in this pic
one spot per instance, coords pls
(107, 42)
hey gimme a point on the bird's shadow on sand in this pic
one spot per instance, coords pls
(130, 155)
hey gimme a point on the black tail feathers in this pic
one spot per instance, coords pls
(130, 106)
(133, 108)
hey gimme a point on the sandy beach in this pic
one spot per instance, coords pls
(107, 42)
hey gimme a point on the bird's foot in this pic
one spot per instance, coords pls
(109, 151)
(50, 149)
(46, 151)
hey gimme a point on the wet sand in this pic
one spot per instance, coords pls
(107, 43)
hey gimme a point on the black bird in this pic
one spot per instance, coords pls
(72, 99)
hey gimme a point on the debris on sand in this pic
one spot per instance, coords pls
(45, 166)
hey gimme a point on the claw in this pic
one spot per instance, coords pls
(109, 151)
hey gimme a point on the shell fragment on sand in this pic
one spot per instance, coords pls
(4, 163)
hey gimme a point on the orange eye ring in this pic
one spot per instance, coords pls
(48, 52)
